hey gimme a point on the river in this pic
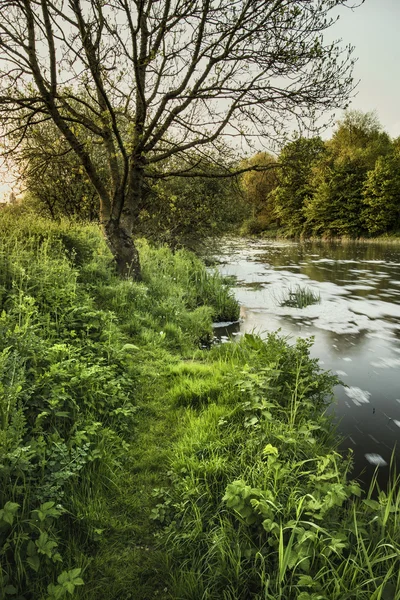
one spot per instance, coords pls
(356, 328)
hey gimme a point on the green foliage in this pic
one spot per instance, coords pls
(115, 426)
(296, 159)
(382, 195)
(347, 186)
(183, 274)
(73, 342)
(300, 297)
(260, 504)
(184, 212)
(336, 203)
(257, 187)
(360, 131)
(56, 183)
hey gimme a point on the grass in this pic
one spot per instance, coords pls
(260, 503)
(85, 361)
(134, 464)
(300, 297)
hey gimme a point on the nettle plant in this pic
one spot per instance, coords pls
(30, 545)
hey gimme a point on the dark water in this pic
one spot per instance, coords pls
(356, 327)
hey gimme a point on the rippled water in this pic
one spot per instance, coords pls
(356, 327)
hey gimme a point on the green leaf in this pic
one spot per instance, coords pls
(9, 511)
(70, 579)
(307, 581)
(10, 590)
(44, 545)
(270, 450)
(126, 347)
(34, 562)
(372, 504)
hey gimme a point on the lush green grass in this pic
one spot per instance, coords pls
(84, 364)
(260, 504)
(300, 297)
(134, 464)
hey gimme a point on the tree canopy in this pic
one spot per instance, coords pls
(151, 84)
(347, 186)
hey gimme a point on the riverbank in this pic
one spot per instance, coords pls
(135, 464)
(280, 234)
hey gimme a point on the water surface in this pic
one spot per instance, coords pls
(356, 327)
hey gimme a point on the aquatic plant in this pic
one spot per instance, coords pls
(300, 297)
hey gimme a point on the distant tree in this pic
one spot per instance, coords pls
(296, 161)
(381, 213)
(359, 131)
(150, 80)
(258, 185)
(52, 176)
(334, 207)
(336, 202)
(183, 212)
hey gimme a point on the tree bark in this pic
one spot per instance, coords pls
(124, 250)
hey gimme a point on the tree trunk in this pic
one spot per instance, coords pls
(124, 250)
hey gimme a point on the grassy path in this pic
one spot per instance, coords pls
(129, 563)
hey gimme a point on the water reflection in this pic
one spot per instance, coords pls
(356, 327)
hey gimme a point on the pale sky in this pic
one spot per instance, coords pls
(373, 29)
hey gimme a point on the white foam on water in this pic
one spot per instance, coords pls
(362, 287)
(357, 395)
(386, 363)
(375, 459)
(374, 262)
(347, 359)
(341, 373)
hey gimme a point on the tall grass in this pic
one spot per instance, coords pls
(300, 297)
(134, 464)
(261, 505)
(79, 349)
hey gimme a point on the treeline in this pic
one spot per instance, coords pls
(177, 211)
(347, 186)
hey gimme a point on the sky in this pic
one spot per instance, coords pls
(373, 29)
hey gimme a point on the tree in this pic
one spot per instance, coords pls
(381, 191)
(53, 177)
(361, 132)
(183, 212)
(258, 185)
(296, 162)
(148, 81)
(337, 200)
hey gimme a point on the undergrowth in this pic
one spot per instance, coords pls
(81, 356)
(260, 504)
(136, 464)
